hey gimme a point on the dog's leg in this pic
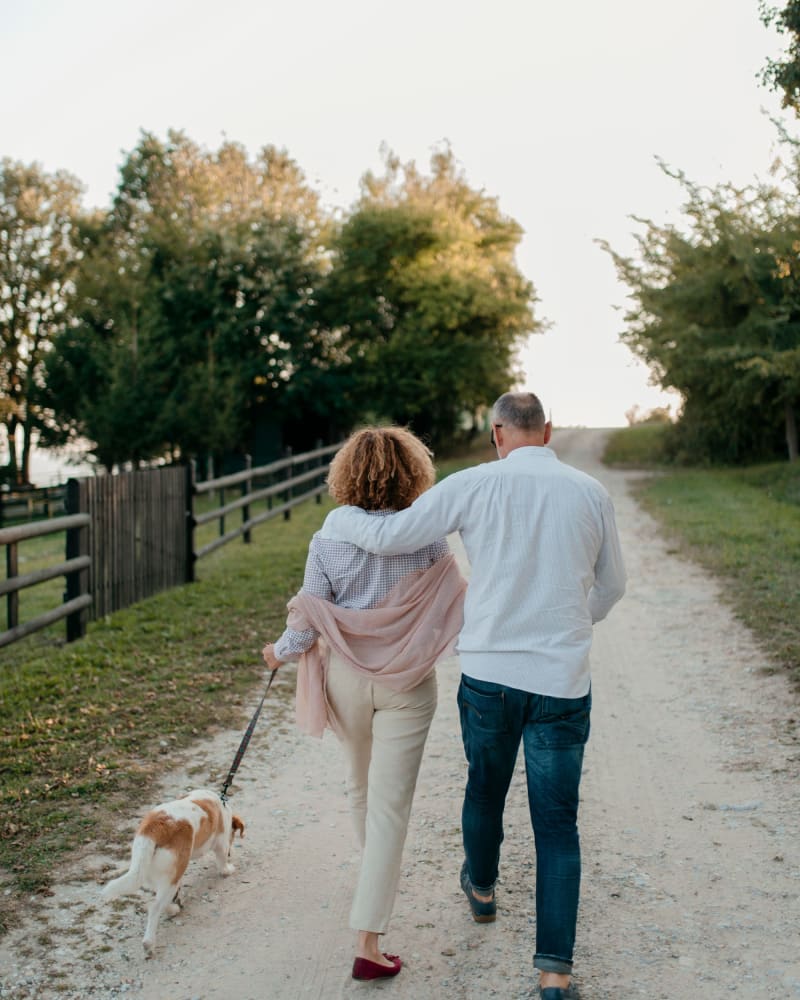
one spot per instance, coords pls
(159, 904)
(175, 907)
(221, 854)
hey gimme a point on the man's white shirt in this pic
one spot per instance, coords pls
(545, 561)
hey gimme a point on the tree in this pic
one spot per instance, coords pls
(425, 298)
(194, 303)
(716, 316)
(784, 74)
(38, 256)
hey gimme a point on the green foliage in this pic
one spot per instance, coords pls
(784, 74)
(38, 256)
(716, 316)
(216, 310)
(425, 298)
(640, 446)
(194, 304)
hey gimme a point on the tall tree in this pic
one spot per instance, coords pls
(716, 315)
(38, 256)
(425, 297)
(194, 302)
(784, 74)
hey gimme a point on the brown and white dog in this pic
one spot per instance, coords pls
(167, 838)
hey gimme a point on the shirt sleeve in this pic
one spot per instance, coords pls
(432, 516)
(315, 581)
(609, 581)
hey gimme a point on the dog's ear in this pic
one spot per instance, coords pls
(237, 824)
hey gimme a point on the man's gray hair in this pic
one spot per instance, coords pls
(522, 410)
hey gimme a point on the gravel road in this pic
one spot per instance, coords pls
(689, 822)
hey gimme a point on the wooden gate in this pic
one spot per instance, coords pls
(138, 533)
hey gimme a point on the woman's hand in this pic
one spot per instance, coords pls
(271, 660)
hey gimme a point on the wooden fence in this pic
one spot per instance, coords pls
(141, 536)
(280, 486)
(76, 599)
(25, 505)
(138, 538)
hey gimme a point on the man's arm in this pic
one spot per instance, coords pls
(609, 581)
(432, 516)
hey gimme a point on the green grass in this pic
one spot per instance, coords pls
(85, 725)
(638, 447)
(741, 523)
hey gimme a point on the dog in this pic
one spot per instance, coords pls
(167, 838)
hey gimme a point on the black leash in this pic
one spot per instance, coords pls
(245, 740)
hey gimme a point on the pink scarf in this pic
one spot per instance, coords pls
(396, 643)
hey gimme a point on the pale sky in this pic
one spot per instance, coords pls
(557, 109)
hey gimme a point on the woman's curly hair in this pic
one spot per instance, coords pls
(379, 468)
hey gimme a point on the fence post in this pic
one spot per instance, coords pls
(76, 622)
(190, 522)
(247, 487)
(12, 570)
(289, 473)
(221, 498)
(320, 462)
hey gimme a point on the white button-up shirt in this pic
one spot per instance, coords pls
(545, 562)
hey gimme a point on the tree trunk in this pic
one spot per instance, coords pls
(27, 447)
(791, 431)
(13, 456)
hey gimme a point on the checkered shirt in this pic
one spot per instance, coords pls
(352, 578)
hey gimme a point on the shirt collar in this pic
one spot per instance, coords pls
(527, 451)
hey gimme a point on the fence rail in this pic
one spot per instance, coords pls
(132, 535)
(77, 599)
(248, 481)
(25, 505)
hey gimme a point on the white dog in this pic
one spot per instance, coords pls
(167, 838)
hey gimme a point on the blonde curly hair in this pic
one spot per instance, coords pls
(381, 468)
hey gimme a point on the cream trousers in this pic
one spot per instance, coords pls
(383, 734)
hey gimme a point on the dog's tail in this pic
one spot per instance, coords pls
(141, 854)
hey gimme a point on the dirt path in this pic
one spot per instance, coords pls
(690, 821)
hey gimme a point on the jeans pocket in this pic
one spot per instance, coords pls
(482, 706)
(564, 722)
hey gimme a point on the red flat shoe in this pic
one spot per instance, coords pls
(363, 968)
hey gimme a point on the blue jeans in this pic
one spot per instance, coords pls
(553, 731)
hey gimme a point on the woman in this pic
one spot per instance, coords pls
(369, 630)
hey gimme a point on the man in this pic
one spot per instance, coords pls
(545, 565)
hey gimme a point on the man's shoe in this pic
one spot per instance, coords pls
(482, 913)
(558, 992)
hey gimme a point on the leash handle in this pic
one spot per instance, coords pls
(245, 741)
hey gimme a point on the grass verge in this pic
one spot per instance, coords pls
(743, 524)
(85, 726)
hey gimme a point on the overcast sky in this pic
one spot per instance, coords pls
(558, 109)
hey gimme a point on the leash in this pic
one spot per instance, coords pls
(245, 740)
